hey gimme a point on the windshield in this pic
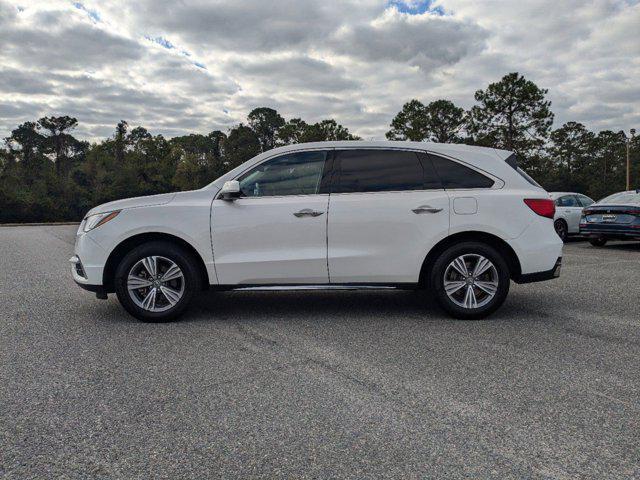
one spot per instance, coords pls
(624, 198)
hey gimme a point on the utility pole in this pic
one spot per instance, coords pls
(629, 140)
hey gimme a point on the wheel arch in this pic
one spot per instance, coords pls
(118, 253)
(490, 239)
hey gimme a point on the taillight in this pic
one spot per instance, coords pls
(545, 207)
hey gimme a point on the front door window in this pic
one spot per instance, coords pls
(291, 174)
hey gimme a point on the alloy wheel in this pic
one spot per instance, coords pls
(561, 229)
(471, 281)
(155, 283)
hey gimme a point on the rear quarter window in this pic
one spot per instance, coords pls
(454, 175)
(584, 200)
(512, 161)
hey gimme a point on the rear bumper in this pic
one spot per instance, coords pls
(538, 248)
(610, 231)
(541, 276)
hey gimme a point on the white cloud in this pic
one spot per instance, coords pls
(354, 60)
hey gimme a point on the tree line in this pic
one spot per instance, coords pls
(514, 114)
(46, 174)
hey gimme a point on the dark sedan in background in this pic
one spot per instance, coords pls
(616, 217)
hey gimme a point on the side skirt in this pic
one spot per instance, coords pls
(294, 287)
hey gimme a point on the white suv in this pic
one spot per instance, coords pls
(457, 219)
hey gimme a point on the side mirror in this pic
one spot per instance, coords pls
(230, 190)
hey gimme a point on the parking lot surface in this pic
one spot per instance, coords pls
(375, 384)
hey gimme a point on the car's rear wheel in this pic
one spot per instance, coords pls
(156, 281)
(561, 229)
(598, 242)
(471, 280)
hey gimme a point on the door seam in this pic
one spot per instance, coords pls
(326, 230)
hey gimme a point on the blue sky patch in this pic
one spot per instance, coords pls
(166, 43)
(417, 7)
(93, 15)
(163, 42)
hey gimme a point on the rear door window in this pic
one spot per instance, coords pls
(373, 170)
(567, 201)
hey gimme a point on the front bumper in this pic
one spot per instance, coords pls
(541, 276)
(93, 258)
(80, 277)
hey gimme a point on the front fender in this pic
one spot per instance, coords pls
(186, 220)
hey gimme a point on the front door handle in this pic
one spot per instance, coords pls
(426, 209)
(307, 212)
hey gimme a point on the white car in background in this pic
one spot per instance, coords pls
(569, 206)
(462, 221)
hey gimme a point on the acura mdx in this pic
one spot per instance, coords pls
(460, 221)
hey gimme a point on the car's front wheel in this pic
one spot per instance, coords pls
(471, 280)
(156, 281)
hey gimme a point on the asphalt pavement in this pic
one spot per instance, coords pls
(367, 384)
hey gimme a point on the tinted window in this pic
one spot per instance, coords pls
(567, 201)
(378, 171)
(293, 174)
(584, 200)
(455, 175)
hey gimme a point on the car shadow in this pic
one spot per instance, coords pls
(312, 304)
(336, 307)
(623, 246)
(261, 306)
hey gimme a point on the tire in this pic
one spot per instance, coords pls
(497, 276)
(171, 297)
(598, 242)
(562, 229)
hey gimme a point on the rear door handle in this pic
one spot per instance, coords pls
(426, 209)
(307, 212)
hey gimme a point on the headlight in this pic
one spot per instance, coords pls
(94, 221)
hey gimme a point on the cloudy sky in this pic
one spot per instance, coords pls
(177, 66)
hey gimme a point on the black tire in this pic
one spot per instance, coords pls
(562, 229)
(437, 280)
(598, 242)
(190, 280)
